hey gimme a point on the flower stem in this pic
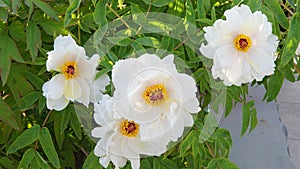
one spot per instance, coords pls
(43, 125)
(210, 150)
(126, 24)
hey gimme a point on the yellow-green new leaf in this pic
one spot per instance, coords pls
(71, 9)
(48, 147)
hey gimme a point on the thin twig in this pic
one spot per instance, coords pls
(296, 68)
(118, 16)
(83, 150)
(78, 28)
(185, 40)
(148, 10)
(210, 150)
(43, 125)
(291, 12)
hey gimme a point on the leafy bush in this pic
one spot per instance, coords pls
(31, 136)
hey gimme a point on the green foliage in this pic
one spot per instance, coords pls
(33, 137)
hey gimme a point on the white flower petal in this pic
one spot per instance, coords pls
(54, 88)
(57, 104)
(72, 89)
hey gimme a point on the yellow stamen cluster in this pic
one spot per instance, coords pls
(242, 43)
(155, 94)
(70, 70)
(129, 128)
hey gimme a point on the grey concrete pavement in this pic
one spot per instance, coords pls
(288, 103)
(264, 148)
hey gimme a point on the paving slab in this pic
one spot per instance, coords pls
(264, 148)
(288, 103)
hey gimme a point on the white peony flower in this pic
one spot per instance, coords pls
(75, 80)
(149, 90)
(298, 50)
(120, 138)
(242, 46)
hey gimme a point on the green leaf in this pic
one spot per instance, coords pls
(40, 161)
(100, 13)
(91, 162)
(28, 100)
(3, 14)
(7, 115)
(148, 41)
(17, 31)
(145, 164)
(26, 159)
(42, 103)
(221, 163)
(292, 41)
(200, 9)
(7, 163)
(35, 80)
(186, 143)
(158, 3)
(274, 85)
(65, 118)
(209, 127)
(254, 4)
(45, 7)
(70, 10)
(246, 118)
(33, 39)
(57, 123)
(75, 125)
(253, 119)
(54, 28)
(8, 50)
(48, 147)
(278, 13)
(26, 138)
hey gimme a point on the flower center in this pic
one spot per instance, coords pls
(155, 94)
(242, 43)
(70, 70)
(129, 128)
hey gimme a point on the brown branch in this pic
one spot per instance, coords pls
(291, 12)
(118, 16)
(43, 125)
(210, 150)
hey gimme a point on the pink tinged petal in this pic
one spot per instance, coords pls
(72, 89)
(298, 50)
(57, 104)
(54, 88)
